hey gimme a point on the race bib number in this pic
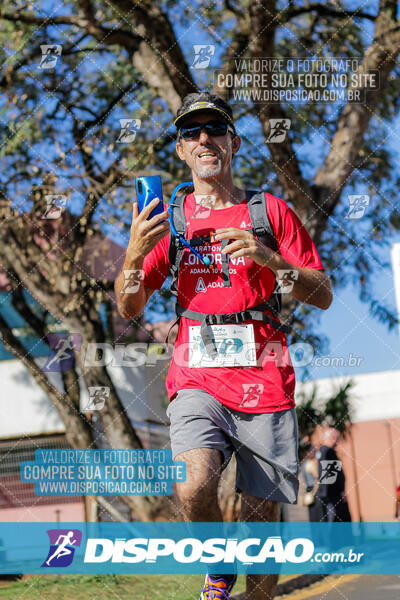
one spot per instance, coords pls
(234, 343)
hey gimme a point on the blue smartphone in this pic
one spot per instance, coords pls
(148, 188)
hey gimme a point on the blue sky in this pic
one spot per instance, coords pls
(351, 329)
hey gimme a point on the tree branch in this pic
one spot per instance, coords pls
(324, 11)
(234, 9)
(263, 24)
(160, 58)
(32, 19)
(100, 182)
(107, 35)
(354, 119)
(238, 45)
(70, 377)
(155, 50)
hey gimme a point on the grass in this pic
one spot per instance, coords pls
(108, 587)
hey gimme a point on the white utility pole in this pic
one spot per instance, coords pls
(395, 254)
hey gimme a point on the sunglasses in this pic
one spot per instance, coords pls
(214, 128)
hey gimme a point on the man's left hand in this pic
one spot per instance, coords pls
(245, 244)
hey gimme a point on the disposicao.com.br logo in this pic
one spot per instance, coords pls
(191, 550)
(143, 552)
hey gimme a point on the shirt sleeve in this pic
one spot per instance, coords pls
(294, 242)
(156, 265)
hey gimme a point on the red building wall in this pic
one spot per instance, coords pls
(372, 464)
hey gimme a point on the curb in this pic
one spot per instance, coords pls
(297, 583)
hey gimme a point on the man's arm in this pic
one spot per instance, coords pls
(312, 286)
(131, 305)
(145, 235)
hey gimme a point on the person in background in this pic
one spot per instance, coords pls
(397, 511)
(309, 472)
(331, 497)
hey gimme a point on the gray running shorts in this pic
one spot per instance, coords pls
(265, 444)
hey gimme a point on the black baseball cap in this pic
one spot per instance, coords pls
(203, 102)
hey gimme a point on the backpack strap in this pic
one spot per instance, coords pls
(262, 228)
(226, 278)
(176, 248)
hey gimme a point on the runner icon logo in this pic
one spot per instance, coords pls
(62, 346)
(202, 55)
(201, 212)
(129, 129)
(278, 130)
(97, 398)
(330, 471)
(50, 54)
(286, 280)
(132, 277)
(55, 205)
(251, 394)
(204, 204)
(358, 205)
(62, 547)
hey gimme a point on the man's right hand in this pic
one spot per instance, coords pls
(145, 234)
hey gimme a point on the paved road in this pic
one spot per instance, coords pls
(363, 587)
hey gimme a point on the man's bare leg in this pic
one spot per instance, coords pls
(198, 501)
(259, 587)
(197, 496)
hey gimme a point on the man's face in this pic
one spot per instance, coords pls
(208, 156)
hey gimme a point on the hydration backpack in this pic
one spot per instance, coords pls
(262, 228)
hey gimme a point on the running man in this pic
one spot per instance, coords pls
(64, 351)
(204, 55)
(49, 59)
(210, 416)
(62, 550)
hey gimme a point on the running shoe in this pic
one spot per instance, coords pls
(217, 589)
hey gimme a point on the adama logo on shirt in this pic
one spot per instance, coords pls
(244, 225)
(200, 285)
